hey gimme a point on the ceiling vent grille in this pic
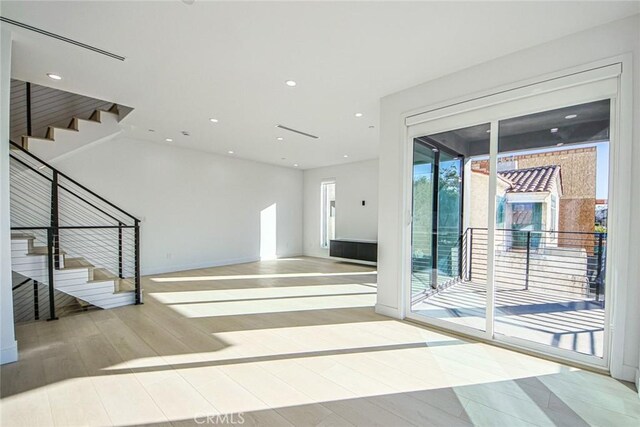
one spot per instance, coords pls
(297, 131)
(61, 38)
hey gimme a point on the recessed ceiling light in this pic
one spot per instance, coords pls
(169, 140)
(345, 156)
(290, 83)
(358, 114)
(54, 76)
(152, 130)
(230, 151)
(571, 116)
(212, 120)
(295, 165)
(554, 130)
(280, 138)
(488, 130)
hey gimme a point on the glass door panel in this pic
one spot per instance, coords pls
(421, 232)
(551, 233)
(448, 267)
(449, 225)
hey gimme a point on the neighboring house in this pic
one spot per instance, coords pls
(527, 212)
(530, 203)
(575, 207)
(527, 200)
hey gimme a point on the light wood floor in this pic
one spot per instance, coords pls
(286, 342)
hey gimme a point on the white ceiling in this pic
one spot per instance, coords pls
(186, 64)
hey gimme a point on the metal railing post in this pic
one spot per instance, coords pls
(52, 301)
(120, 274)
(36, 308)
(470, 253)
(55, 219)
(526, 279)
(599, 271)
(137, 261)
(29, 109)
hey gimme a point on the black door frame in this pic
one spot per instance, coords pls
(437, 147)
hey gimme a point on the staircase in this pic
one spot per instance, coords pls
(50, 122)
(76, 277)
(100, 126)
(74, 245)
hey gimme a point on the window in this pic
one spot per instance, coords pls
(327, 212)
(526, 216)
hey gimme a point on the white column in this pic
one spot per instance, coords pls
(8, 344)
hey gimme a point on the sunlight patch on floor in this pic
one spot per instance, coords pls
(258, 276)
(239, 308)
(261, 293)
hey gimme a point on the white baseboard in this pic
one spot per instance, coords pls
(625, 373)
(9, 354)
(385, 310)
(208, 264)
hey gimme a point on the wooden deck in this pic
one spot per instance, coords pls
(563, 321)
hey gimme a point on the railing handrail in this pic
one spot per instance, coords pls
(594, 233)
(70, 179)
(74, 227)
(65, 188)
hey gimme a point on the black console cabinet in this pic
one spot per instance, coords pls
(361, 250)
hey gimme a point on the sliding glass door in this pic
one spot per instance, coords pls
(439, 241)
(509, 204)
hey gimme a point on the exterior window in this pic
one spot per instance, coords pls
(327, 213)
(501, 207)
(526, 217)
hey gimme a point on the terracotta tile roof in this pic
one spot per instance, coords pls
(531, 180)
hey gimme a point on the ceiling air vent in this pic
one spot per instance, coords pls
(61, 38)
(297, 131)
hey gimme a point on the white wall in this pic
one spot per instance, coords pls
(198, 209)
(8, 345)
(582, 48)
(355, 182)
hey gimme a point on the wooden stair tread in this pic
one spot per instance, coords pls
(43, 250)
(77, 263)
(27, 137)
(101, 275)
(18, 236)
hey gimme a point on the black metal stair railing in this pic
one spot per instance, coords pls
(71, 221)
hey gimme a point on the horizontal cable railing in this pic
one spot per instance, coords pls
(566, 262)
(34, 108)
(72, 224)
